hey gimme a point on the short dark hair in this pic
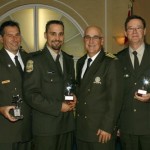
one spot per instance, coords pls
(53, 22)
(134, 17)
(7, 24)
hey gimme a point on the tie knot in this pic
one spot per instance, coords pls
(89, 60)
(135, 53)
(16, 57)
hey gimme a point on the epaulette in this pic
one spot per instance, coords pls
(36, 53)
(68, 54)
(108, 54)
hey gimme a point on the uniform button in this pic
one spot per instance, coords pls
(78, 115)
(88, 90)
(51, 80)
(85, 103)
(85, 117)
(135, 83)
(134, 110)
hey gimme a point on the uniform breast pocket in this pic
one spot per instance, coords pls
(5, 83)
(51, 77)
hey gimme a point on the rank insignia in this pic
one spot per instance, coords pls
(110, 55)
(97, 80)
(29, 66)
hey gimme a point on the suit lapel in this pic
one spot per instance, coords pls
(65, 66)
(79, 68)
(128, 62)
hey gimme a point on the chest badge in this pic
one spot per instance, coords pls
(29, 66)
(97, 80)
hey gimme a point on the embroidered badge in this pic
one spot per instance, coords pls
(29, 66)
(97, 80)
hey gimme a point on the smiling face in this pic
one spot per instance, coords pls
(55, 37)
(11, 39)
(135, 32)
(93, 40)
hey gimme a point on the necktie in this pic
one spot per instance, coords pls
(18, 66)
(88, 65)
(58, 64)
(136, 61)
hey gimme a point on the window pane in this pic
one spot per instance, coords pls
(74, 47)
(26, 21)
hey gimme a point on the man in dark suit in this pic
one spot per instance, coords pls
(99, 94)
(45, 81)
(135, 114)
(14, 133)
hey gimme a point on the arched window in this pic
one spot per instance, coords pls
(32, 20)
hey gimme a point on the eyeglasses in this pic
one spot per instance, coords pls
(130, 29)
(94, 38)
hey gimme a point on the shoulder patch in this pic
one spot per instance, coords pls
(110, 55)
(29, 66)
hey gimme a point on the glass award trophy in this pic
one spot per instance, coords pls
(145, 86)
(69, 90)
(16, 100)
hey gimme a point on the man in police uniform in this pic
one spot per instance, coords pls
(14, 133)
(45, 81)
(135, 115)
(99, 94)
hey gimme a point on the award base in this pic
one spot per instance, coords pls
(141, 92)
(17, 113)
(68, 98)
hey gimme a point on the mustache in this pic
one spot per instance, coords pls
(56, 41)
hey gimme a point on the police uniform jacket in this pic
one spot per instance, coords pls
(99, 97)
(135, 115)
(10, 84)
(44, 92)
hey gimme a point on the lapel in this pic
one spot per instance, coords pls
(92, 70)
(80, 64)
(23, 57)
(127, 62)
(66, 66)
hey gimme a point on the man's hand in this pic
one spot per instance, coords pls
(5, 112)
(143, 98)
(104, 137)
(70, 105)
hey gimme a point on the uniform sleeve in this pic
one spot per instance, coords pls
(114, 87)
(33, 91)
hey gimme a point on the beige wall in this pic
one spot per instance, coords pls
(142, 8)
(108, 14)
